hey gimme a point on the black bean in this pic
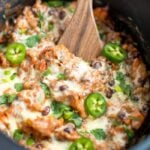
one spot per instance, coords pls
(144, 109)
(62, 15)
(51, 12)
(135, 98)
(142, 81)
(63, 87)
(96, 65)
(67, 130)
(46, 111)
(121, 115)
(135, 54)
(109, 93)
(111, 82)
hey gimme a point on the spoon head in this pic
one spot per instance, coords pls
(81, 35)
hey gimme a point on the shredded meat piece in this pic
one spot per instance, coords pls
(32, 20)
(101, 146)
(101, 14)
(138, 71)
(41, 127)
(3, 61)
(78, 104)
(33, 96)
(115, 131)
(131, 116)
(42, 65)
(67, 132)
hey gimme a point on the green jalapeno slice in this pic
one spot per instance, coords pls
(114, 52)
(82, 144)
(15, 53)
(95, 105)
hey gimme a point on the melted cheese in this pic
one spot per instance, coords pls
(119, 138)
(58, 145)
(97, 123)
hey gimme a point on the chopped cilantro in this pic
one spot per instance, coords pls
(45, 89)
(69, 115)
(18, 135)
(59, 108)
(99, 134)
(32, 40)
(47, 72)
(123, 86)
(116, 123)
(7, 98)
(11, 98)
(120, 77)
(30, 141)
(61, 76)
(13, 76)
(3, 99)
(7, 72)
(55, 3)
(41, 19)
(102, 35)
(129, 132)
(50, 26)
(118, 88)
(19, 87)
(2, 46)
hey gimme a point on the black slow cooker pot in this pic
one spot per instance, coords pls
(130, 15)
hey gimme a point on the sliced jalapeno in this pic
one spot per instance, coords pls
(15, 53)
(114, 52)
(82, 144)
(95, 105)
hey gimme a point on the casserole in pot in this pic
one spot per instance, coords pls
(53, 99)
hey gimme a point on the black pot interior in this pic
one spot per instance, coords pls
(131, 16)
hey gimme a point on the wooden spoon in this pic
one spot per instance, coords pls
(81, 36)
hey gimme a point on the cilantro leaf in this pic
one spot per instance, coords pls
(57, 3)
(129, 132)
(3, 99)
(99, 134)
(19, 87)
(120, 77)
(46, 73)
(71, 116)
(7, 98)
(59, 108)
(11, 98)
(32, 40)
(18, 135)
(61, 76)
(41, 19)
(45, 89)
(126, 88)
(30, 141)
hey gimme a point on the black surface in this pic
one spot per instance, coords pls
(137, 16)
(8, 144)
(139, 12)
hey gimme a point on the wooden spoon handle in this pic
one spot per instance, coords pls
(81, 36)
